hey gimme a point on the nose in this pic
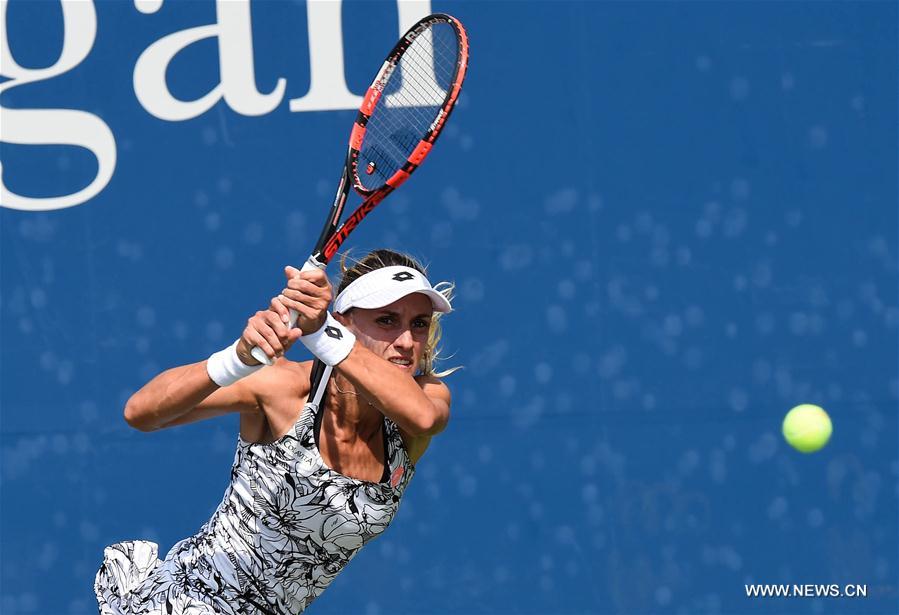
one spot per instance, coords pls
(404, 340)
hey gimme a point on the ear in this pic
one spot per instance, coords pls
(343, 319)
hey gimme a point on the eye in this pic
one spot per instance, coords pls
(421, 323)
(386, 320)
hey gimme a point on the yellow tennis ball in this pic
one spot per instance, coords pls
(807, 428)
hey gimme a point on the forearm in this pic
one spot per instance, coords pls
(168, 396)
(397, 395)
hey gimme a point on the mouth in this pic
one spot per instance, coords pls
(401, 362)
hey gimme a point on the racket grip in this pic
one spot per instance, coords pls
(257, 352)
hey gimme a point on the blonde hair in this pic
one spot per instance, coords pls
(388, 258)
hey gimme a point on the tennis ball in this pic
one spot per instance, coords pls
(807, 428)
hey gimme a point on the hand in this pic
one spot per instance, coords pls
(267, 330)
(309, 294)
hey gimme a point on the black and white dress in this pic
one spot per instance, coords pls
(286, 526)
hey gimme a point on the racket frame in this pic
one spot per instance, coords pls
(333, 236)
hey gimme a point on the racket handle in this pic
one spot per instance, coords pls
(257, 352)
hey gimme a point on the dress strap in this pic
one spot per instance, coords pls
(318, 388)
(385, 477)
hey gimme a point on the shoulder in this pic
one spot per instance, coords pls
(279, 391)
(434, 388)
(285, 377)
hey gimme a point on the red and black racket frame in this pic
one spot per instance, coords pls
(332, 237)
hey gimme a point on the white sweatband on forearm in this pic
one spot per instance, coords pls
(332, 343)
(225, 367)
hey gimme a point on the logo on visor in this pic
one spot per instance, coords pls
(402, 276)
(333, 332)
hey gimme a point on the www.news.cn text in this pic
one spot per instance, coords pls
(807, 590)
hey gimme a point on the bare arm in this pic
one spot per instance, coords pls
(174, 393)
(187, 393)
(420, 408)
(433, 388)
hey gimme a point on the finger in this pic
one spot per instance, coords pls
(273, 341)
(283, 311)
(286, 337)
(291, 272)
(302, 295)
(291, 301)
(277, 325)
(302, 285)
(264, 323)
(282, 305)
(255, 339)
(308, 288)
(316, 276)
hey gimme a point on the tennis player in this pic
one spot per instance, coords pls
(310, 484)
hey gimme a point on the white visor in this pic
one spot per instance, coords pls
(383, 286)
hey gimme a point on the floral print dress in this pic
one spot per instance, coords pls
(286, 526)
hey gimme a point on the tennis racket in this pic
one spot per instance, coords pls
(403, 112)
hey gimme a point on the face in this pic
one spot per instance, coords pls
(397, 332)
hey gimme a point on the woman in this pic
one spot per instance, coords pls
(311, 482)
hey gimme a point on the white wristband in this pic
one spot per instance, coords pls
(225, 367)
(332, 343)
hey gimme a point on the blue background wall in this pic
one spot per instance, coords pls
(668, 222)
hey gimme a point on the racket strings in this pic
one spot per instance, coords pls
(411, 102)
(425, 91)
(444, 61)
(426, 71)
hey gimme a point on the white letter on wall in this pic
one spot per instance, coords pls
(328, 90)
(55, 126)
(237, 73)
